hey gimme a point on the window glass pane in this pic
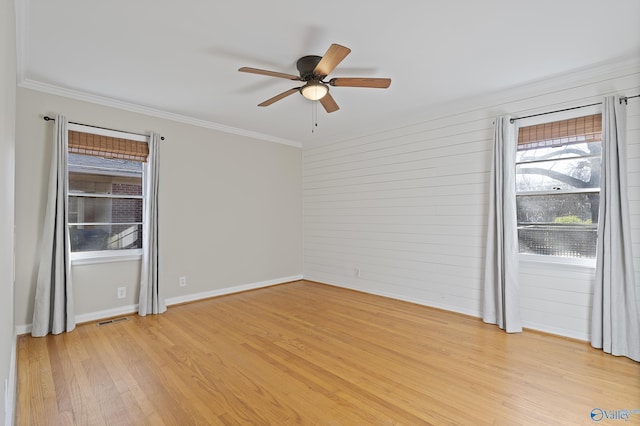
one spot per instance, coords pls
(527, 153)
(558, 209)
(102, 184)
(111, 210)
(88, 174)
(89, 162)
(104, 203)
(566, 241)
(105, 237)
(563, 174)
(557, 187)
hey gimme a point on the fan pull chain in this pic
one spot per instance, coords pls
(314, 116)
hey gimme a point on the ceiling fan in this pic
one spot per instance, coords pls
(313, 70)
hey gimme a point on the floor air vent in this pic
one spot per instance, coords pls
(112, 321)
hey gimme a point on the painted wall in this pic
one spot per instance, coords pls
(230, 207)
(403, 213)
(7, 164)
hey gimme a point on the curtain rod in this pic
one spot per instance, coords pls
(46, 118)
(622, 99)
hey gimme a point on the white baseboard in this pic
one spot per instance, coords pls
(23, 329)
(107, 313)
(123, 310)
(10, 387)
(417, 301)
(557, 331)
(230, 290)
(530, 325)
(91, 316)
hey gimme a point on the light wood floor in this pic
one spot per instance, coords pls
(306, 353)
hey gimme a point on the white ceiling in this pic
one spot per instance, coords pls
(182, 57)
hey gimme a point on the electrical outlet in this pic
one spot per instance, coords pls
(122, 292)
(183, 281)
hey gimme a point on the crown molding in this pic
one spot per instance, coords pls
(541, 87)
(492, 102)
(127, 106)
(565, 80)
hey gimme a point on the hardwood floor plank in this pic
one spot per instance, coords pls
(255, 372)
(350, 364)
(308, 353)
(133, 398)
(85, 406)
(152, 372)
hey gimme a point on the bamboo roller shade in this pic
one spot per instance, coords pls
(107, 146)
(579, 129)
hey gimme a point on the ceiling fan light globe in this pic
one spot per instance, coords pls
(314, 91)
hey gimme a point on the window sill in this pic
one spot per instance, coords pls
(93, 257)
(557, 260)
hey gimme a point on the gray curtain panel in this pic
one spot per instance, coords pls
(501, 290)
(151, 300)
(53, 307)
(615, 323)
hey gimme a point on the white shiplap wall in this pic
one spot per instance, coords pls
(403, 213)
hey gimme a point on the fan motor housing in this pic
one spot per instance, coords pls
(306, 65)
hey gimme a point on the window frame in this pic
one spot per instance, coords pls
(548, 118)
(107, 256)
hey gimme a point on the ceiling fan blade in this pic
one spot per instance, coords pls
(329, 103)
(376, 83)
(278, 97)
(334, 55)
(269, 73)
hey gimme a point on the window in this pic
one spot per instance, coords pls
(558, 187)
(105, 204)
